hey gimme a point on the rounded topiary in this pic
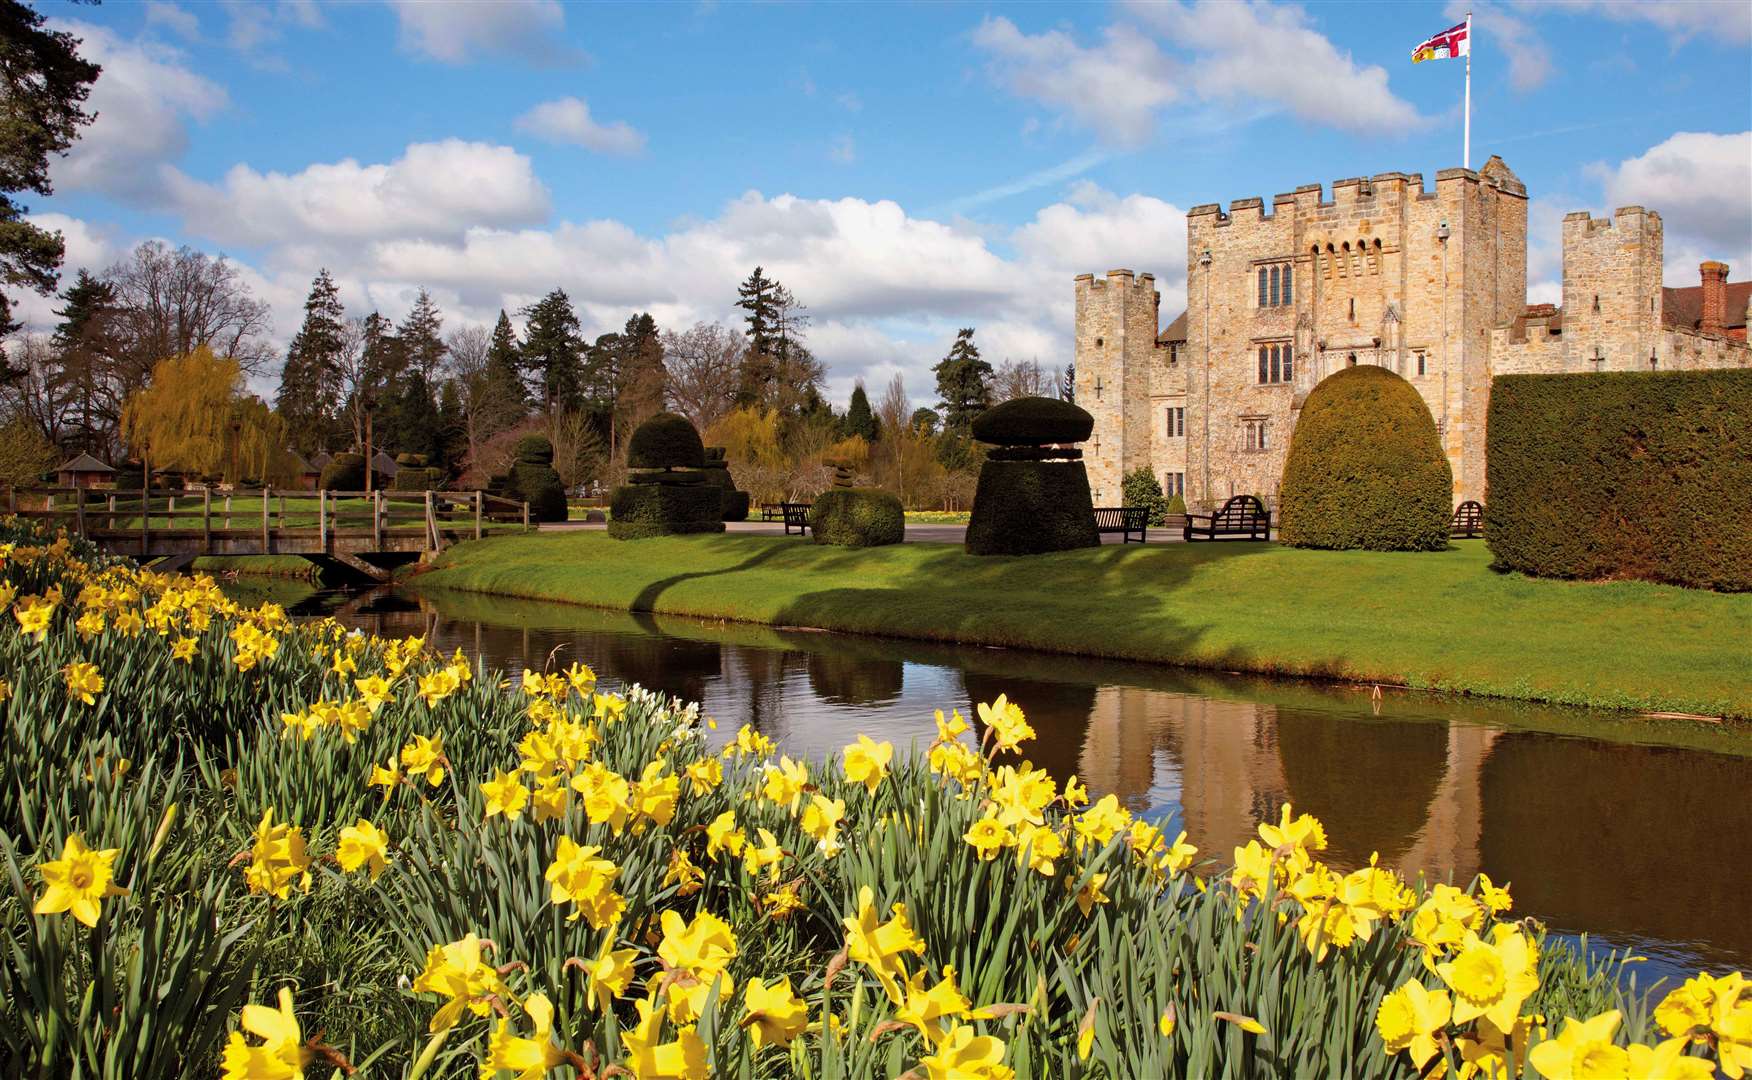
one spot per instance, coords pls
(539, 486)
(417, 478)
(417, 461)
(857, 517)
(735, 505)
(344, 472)
(534, 450)
(641, 510)
(1033, 421)
(1031, 507)
(1366, 468)
(666, 441)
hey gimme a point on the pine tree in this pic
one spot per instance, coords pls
(1069, 390)
(644, 381)
(553, 351)
(758, 296)
(859, 420)
(422, 340)
(504, 381)
(963, 383)
(310, 380)
(85, 342)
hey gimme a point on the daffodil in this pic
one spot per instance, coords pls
(783, 902)
(78, 882)
(1005, 724)
(928, 1008)
(1100, 823)
(656, 793)
(867, 762)
(1582, 1050)
(282, 1053)
(277, 859)
(505, 794)
(33, 615)
(1496, 897)
(83, 682)
(880, 945)
(785, 783)
(608, 976)
(704, 775)
(987, 837)
(183, 650)
(821, 820)
(374, 690)
(772, 1015)
(703, 946)
(529, 1058)
(363, 844)
(1412, 1018)
(649, 1058)
(578, 877)
(1667, 1061)
(765, 855)
(1492, 978)
(456, 971)
(424, 757)
(966, 1055)
(607, 796)
(723, 835)
(1089, 893)
(683, 873)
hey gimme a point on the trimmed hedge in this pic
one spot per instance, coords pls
(1031, 507)
(344, 472)
(857, 517)
(735, 505)
(534, 450)
(666, 441)
(534, 480)
(1033, 421)
(641, 510)
(1366, 468)
(1643, 474)
(1141, 488)
(415, 478)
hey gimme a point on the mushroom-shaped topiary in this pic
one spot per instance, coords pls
(666, 441)
(534, 450)
(1033, 421)
(1366, 468)
(1033, 494)
(534, 480)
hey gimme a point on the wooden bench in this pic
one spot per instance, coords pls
(1242, 517)
(1123, 519)
(772, 511)
(1468, 521)
(796, 516)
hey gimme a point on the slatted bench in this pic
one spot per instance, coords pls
(796, 517)
(772, 511)
(1468, 521)
(1241, 518)
(1127, 520)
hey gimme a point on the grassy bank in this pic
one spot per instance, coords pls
(1440, 621)
(290, 566)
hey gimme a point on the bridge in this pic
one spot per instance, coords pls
(354, 528)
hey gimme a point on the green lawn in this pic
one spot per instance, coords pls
(1441, 621)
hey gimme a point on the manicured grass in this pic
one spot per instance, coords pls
(293, 566)
(1440, 620)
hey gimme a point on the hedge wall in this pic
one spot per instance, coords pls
(857, 517)
(1623, 475)
(1031, 507)
(640, 510)
(344, 472)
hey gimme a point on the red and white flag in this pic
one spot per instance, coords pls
(1450, 44)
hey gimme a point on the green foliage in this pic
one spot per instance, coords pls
(533, 450)
(310, 380)
(964, 382)
(539, 486)
(857, 517)
(1177, 505)
(1623, 475)
(1366, 468)
(1033, 421)
(417, 478)
(1031, 507)
(666, 441)
(735, 505)
(640, 510)
(24, 454)
(552, 354)
(1140, 488)
(344, 472)
(859, 420)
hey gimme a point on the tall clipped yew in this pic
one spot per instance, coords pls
(1366, 468)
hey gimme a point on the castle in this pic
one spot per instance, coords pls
(1432, 285)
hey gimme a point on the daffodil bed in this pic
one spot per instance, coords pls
(236, 845)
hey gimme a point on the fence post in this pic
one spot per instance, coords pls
(109, 505)
(206, 521)
(477, 499)
(377, 520)
(322, 519)
(266, 498)
(80, 513)
(228, 510)
(12, 499)
(526, 515)
(431, 521)
(145, 515)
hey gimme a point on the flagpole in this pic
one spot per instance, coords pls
(1466, 146)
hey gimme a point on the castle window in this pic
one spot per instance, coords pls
(1262, 293)
(1253, 434)
(1353, 309)
(1274, 287)
(1288, 299)
(1176, 417)
(1173, 354)
(1288, 376)
(1174, 483)
(1097, 343)
(1596, 303)
(1264, 364)
(1274, 364)
(1421, 360)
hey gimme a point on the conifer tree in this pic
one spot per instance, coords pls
(85, 342)
(859, 420)
(310, 380)
(553, 350)
(757, 297)
(1069, 390)
(504, 380)
(422, 339)
(963, 384)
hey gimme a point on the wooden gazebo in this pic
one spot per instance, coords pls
(84, 471)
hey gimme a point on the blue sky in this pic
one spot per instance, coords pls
(906, 169)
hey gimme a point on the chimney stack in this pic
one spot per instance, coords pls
(1715, 296)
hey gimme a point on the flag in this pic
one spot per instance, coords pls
(1450, 44)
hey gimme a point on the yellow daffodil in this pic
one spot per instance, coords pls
(549, 800)
(1492, 978)
(607, 796)
(683, 873)
(867, 762)
(1411, 1018)
(277, 859)
(33, 616)
(1582, 1050)
(89, 625)
(183, 650)
(1100, 823)
(83, 682)
(529, 1058)
(1495, 897)
(820, 822)
(785, 783)
(1667, 1061)
(577, 876)
(880, 945)
(456, 971)
(705, 775)
(505, 794)
(282, 1053)
(987, 837)
(374, 691)
(1076, 794)
(78, 882)
(424, 757)
(966, 1055)
(702, 947)
(1005, 724)
(772, 1016)
(656, 794)
(649, 1058)
(363, 844)
(1089, 893)
(926, 1009)
(765, 855)
(608, 976)
(783, 902)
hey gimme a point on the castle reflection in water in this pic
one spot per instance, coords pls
(1642, 843)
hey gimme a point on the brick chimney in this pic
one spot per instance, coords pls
(1715, 296)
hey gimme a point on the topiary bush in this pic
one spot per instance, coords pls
(857, 517)
(418, 478)
(1644, 474)
(534, 450)
(1177, 505)
(666, 441)
(345, 472)
(641, 510)
(1032, 497)
(534, 480)
(735, 505)
(1366, 468)
(1140, 488)
(1033, 421)
(716, 470)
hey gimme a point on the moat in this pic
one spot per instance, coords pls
(1633, 829)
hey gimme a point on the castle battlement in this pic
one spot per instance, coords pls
(1124, 279)
(1386, 189)
(1635, 218)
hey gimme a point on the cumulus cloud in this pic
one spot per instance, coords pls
(433, 190)
(160, 14)
(144, 101)
(461, 30)
(1116, 88)
(1682, 19)
(1701, 183)
(1529, 59)
(568, 120)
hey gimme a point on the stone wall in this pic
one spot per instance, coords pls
(1116, 346)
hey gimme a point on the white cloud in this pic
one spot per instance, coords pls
(457, 31)
(1728, 23)
(1701, 183)
(1514, 37)
(144, 101)
(433, 190)
(1545, 247)
(842, 150)
(86, 245)
(1116, 88)
(568, 120)
(178, 20)
(1272, 53)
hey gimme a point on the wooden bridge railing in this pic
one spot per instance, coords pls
(107, 514)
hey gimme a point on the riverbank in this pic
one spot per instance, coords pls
(1441, 621)
(283, 566)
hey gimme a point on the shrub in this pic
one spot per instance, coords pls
(1140, 488)
(857, 517)
(735, 505)
(345, 472)
(1177, 505)
(641, 510)
(1623, 474)
(539, 486)
(416, 478)
(534, 450)
(1033, 421)
(1366, 468)
(417, 461)
(1030, 507)
(666, 441)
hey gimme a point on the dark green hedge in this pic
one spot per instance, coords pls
(1033, 421)
(640, 510)
(412, 478)
(1366, 468)
(735, 504)
(539, 485)
(1141, 488)
(857, 517)
(666, 441)
(344, 472)
(1030, 507)
(534, 450)
(1623, 475)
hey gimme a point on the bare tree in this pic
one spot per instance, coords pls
(704, 363)
(894, 413)
(1022, 378)
(171, 300)
(38, 394)
(578, 448)
(356, 378)
(487, 408)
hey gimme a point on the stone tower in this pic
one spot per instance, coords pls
(1611, 289)
(1116, 342)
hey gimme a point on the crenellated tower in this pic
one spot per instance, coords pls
(1116, 342)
